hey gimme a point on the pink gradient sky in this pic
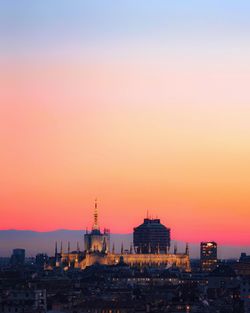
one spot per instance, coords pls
(137, 125)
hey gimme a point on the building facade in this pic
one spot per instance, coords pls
(208, 256)
(18, 257)
(151, 237)
(25, 300)
(242, 267)
(245, 293)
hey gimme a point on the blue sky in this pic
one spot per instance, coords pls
(50, 25)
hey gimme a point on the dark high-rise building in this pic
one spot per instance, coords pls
(244, 258)
(151, 237)
(41, 259)
(17, 257)
(208, 255)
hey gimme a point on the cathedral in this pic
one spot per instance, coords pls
(97, 250)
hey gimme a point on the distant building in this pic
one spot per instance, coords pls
(151, 237)
(4, 261)
(41, 259)
(245, 293)
(242, 267)
(222, 277)
(244, 258)
(208, 256)
(96, 240)
(17, 257)
(25, 300)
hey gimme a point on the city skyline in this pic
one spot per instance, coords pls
(35, 242)
(145, 106)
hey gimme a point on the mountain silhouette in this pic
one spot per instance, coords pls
(35, 242)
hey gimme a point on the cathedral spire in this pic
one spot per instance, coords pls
(95, 225)
(175, 248)
(104, 246)
(131, 248)
(158, 248)
(56, 249)
(140, 249)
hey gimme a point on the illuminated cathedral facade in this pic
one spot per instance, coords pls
(97, 250)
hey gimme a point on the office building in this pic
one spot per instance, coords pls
(17, 257)
(208, 256)
(151, 237)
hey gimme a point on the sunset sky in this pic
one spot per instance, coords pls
(142, 104)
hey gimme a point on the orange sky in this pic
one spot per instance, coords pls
(131, 137)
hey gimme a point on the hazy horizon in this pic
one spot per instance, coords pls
(44, 242)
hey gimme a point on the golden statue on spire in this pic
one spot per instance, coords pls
(95, 225)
